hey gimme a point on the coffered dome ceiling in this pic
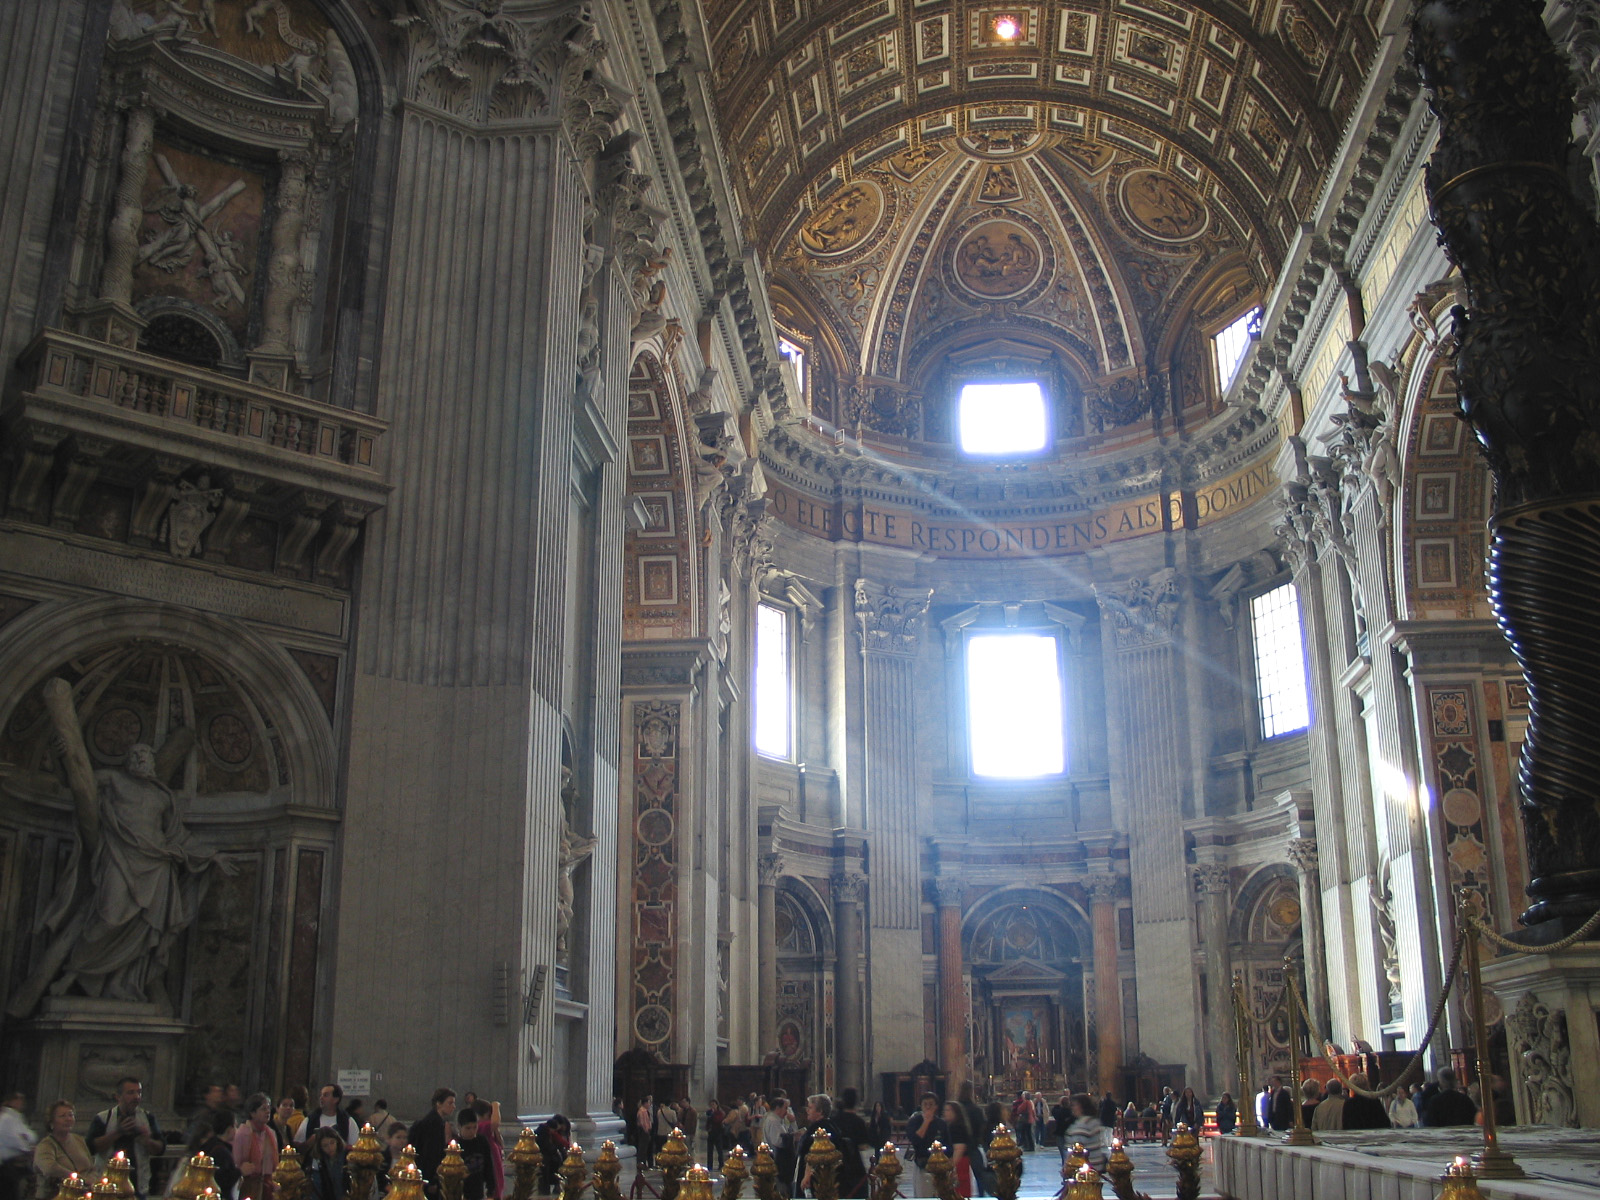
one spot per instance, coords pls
(1087, 200)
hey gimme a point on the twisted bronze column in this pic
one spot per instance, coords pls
(1528, 367)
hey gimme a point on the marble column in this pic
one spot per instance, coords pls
(1303, 854)
(1141, 622)
(890, 623)
(1211, 882)
(770, 867)
(948, 894)
(848, 1017)
(1104, 891)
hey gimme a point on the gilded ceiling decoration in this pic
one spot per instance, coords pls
(1094, 188)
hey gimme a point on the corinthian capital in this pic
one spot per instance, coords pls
(1143, 612)
(849, 887)
(1211, 879)
(892, 618)
(1103, 889)
(768, 868)
(1303, 853)
(949, 893)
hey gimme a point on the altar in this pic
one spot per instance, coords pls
(1405, 1164)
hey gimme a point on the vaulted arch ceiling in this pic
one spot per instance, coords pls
(1089, 189)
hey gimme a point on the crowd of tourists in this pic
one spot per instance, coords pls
(245, 1138)
(1439, 1101)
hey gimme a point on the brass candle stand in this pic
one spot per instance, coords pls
(942, 1172)
(363, 1161)
(574, 1174)
(735, 1170)
(1085, 1184)
(822, 1160)
(526, 1162)
(1119, 1169)
(1184, 1154)
(199, 1173)
(405, 1184)
(606, 1169)
(696, 1184)
(764, 1174)
(73, 1187)
(117, 1172)
(452, 1172)
(672, 1158)
(1458, 1182)
(1005, 1156)
(886, 1173)
(289, 1180)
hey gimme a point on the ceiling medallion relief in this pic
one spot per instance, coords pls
(1000, 254)
(1161, 207)
(847, 220)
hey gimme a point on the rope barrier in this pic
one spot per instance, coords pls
(1416, 1059)
(1260, 1022)
(1505, 943)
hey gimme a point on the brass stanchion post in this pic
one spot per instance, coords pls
(1299, 1135)
(1248, 1126)
(1492, 1162)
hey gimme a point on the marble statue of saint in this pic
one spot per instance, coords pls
(132, 884)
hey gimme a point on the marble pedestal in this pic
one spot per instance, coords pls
(1532, 989)
(76, 1048)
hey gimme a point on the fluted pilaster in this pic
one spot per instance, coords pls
(1143, 619)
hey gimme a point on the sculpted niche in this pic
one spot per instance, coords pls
(116, 760)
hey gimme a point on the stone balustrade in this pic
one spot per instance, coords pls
(160, 396)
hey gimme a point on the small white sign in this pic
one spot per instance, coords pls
(353, 1082)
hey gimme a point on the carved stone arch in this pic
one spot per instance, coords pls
(662, 563)
(47, 637)
(1261, 889)
(804, 959)
(808, 903)
(1057, 910)
(1442, 505)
